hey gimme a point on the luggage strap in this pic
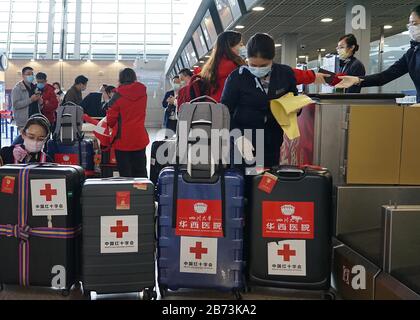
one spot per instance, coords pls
(22, 231)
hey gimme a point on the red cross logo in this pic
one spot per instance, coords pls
(198, 250)
(286, 252)
(119, 229)
(48, 192)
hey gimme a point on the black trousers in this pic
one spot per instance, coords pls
(131, 164)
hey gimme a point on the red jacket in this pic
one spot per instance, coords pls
(226, 67)
(50, 102)
(304, 76)
(127, 112)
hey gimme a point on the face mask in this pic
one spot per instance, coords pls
(32, 146)
(342, 54)
(414, 32)
(243, 52)
(260, 72)
(182, 83)
(40, 86)
(176, 86)
(29, 79)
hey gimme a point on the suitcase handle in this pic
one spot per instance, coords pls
(289, 173)
(203, 97)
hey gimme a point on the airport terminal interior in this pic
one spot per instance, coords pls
(108, 190)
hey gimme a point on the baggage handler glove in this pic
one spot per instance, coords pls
(246, 148)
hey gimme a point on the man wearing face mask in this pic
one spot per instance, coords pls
(349, 64)
(74, 94)
(35, 133)
(169, 104)
(24, 98)
(49, 100)
(409, 62)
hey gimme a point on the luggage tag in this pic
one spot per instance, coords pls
(268, 182)
(8, 185)
(123, 200)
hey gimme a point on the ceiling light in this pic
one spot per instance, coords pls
(327, 20)
(32, 60)
(387, 27)
(201, 61)
(116, 61)
(258, 9)
(239, 27)
(278, 45)
(302, 57)
(88, 60)
(323, 50)
(61, 60)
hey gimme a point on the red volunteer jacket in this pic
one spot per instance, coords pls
(127, 112)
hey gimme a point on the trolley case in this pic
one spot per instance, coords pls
(290, 232)
(156, 165)
(118, 254)
(40, 225)
(79, 153)
(206, 262)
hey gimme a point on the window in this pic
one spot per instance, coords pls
(225, 13)
(209, 30)
(200, 43)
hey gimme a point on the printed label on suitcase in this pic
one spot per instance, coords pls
(198, 255)
(8, 185)
(49, 197)
(201, 218)
(119, 234)
(66, 159)
(287, 220)
(287, 258)
(122, 200)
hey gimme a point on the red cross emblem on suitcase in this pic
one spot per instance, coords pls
(286, 253)
(119, 229)
(198, 250)
(48, 192)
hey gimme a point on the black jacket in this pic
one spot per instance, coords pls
(6, 156)
(352, 67)
(249, 105)
(93, 106)
(409, 63)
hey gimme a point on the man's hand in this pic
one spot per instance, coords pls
(171, 100)
(347, 82)
(320, 78)
(35, 97)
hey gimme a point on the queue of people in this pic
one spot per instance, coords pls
(244, 78)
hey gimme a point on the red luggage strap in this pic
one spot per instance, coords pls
(22, 231)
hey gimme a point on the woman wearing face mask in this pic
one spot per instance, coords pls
(59, 93)
(34, 134)
(349, 65)
(409, 63)
(230, 53)
(248, 92)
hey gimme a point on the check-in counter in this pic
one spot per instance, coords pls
(360, 138)
(401, 239)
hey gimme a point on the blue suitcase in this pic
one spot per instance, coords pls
(201, 262)
(70, 154)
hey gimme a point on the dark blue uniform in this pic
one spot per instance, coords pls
(249, 105)
(409, 63)
(352, 67)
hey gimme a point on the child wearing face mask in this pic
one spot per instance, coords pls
(34, 134)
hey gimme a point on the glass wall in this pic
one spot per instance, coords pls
(93, 29)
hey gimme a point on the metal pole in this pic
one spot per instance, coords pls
(117, 53)
(144, 35)
(9, 30)
(381, 54)
(50, 36)
(90, 29)
(63, 31)
(36, 31)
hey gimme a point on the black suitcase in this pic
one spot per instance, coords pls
(156, 165)
(290, 229)
(118, 253)
(40, 224)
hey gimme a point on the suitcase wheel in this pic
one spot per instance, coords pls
(149, 294)
(65, 292)
(329, 296)
(237, 294)
(163, 291)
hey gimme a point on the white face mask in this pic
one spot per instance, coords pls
(414, 32)
(260, 72)
(176, 86)
(342, 54)
(33, 146)
(243, 52)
